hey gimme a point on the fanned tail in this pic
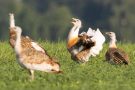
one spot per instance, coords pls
(98, 38)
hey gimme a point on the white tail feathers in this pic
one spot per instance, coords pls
(99, 39)
(12, 20)
(90, 32)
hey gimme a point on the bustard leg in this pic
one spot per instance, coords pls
(31, 74)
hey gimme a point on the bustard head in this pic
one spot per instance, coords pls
(111, 35)
(76, 22)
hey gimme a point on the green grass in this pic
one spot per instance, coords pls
(94, 75)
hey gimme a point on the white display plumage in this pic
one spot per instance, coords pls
(80, 50)
(99, 38)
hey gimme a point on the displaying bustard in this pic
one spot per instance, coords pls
(82, 46)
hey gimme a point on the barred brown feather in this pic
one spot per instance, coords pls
(117, 56)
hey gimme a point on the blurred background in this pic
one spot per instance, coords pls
(51, 19)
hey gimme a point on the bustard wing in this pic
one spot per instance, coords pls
(120, 56)
(35, 45)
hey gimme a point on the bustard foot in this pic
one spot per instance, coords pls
(31, 75)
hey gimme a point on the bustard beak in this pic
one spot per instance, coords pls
(73, 21)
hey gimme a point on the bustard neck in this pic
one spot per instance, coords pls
(112, 43)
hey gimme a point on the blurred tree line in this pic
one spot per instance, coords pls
(50, 19)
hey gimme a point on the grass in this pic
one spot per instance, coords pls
(94, 75)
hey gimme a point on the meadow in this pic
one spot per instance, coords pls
(97, 74)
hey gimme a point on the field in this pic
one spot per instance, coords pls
(97, 74)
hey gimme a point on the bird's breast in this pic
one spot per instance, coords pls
(72, 42)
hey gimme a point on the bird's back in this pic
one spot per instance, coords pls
(117, 56)
(36, 60)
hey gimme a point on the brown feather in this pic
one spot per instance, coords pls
(87, 43)
(26, 43)
(117, 56)
(12, 37)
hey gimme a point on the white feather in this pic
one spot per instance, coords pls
(90, 32)
(37, 47)
(99, 38)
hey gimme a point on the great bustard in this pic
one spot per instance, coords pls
(82, 46)
(29, 54)
(115, 55)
